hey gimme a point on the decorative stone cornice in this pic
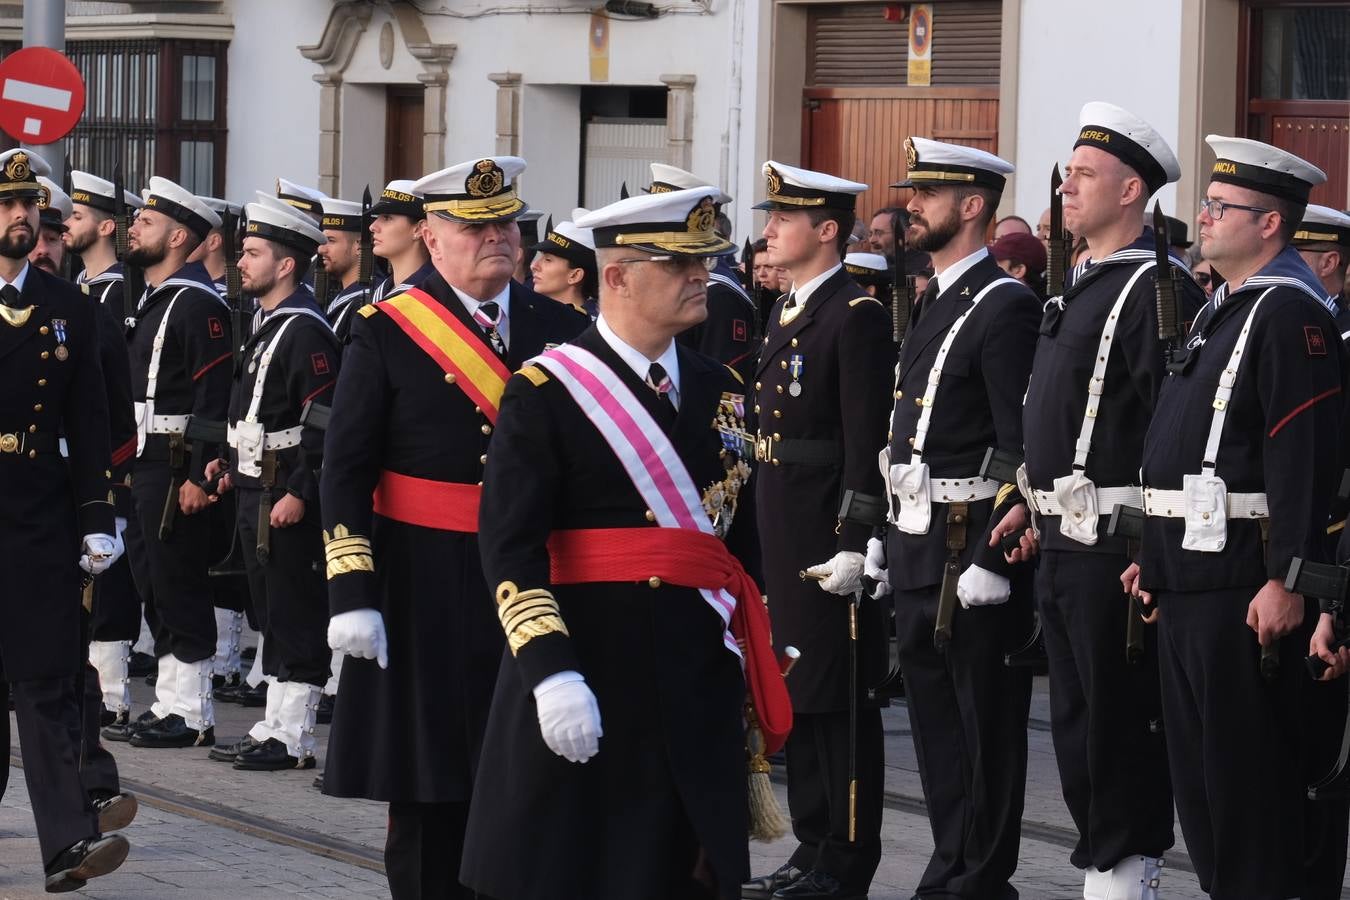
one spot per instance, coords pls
(346, 23)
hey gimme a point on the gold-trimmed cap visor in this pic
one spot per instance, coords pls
(657, 237)
(502, 207)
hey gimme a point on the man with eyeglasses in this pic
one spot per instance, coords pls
(404, 455)
(1098, 368)
(822, 394)
(1323, 240)
(1240, 462)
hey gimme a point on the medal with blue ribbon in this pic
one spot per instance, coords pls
(59, 327)
(795, 367)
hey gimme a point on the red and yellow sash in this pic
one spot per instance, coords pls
(460, 350)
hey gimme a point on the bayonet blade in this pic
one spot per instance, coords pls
(1056, 265)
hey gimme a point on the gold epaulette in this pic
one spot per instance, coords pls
(367, 311)
(526, 615)
(736, 375)
(853, 303)
(1004, 493)
(534, 374)
(347, 552)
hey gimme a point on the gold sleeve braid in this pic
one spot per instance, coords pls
(526, 615)
(346, 552)
(1004, 493)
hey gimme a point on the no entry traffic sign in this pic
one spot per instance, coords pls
(41, 95)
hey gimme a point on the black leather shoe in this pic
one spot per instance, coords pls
(271, 756)
(230, 752)
(255, 697)
(123, 727)
(228, 692)
(324, 714)
(115, 811)
(87, 859)
(762, 888)
(172, 731)
(223, 682)
(816, 885)
(141, 664)
(106, 717)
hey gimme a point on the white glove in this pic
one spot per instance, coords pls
(874, 567)
(360, 633)
(121, 528)
(98, 552)
(843, 573)
(569, 717)
(980, 587)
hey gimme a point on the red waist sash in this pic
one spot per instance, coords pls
(688, 559)
(446, 505)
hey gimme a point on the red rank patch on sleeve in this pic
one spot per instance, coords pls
(215, 328)
(739, 331)
(320, 363)
(1317, 345)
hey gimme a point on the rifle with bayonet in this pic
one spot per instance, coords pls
(1169, 309)
(188, 453)
(323, 282)
(1060, 250)
(1128, 522)
(234, 285)
(902, 284)
(365, 267)
(133, 279)
(1328, 584)
(68, 257)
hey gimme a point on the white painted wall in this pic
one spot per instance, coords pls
(1069, 57)
(550, 141)
(362, 163)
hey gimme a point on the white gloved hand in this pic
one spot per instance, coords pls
(98, 552)
(980, 587)
(874, 567)
(843, 573)
(569, 717)
(360, 633)
(121, 527)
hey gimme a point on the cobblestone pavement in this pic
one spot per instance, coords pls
(208, 831)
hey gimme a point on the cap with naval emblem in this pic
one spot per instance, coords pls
(678, 222)
(54, 206)
(670, 178)
(341, 215)
(399, 198)
(952, 165)
(299, 196)
(1129, 139)
(481, 190)
(792, 188)
(283, 224)
(868, 268)
(576, 245)
(21, 169)
(90, 190)
(181, 205)
(1323, 225)
(1261, 167)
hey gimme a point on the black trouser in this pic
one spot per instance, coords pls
(98, 769)
(422, 851)
(183, 620)
(1105, 713)
(817, 769)
(1327, 819)
(1234, 744)
(968, 715)
(290, 593)
(117, 605)
(48, 713)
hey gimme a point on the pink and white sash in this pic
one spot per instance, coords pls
(643, 449)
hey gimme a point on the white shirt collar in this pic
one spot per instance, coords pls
(503, 300)
(18, 279)
(803, 293)
(638, 361)
(952, 274)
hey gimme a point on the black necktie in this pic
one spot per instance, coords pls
(659, 381)
(926, 299)
(9, 295)
(488, 316)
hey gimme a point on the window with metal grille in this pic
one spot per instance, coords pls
(853, 45)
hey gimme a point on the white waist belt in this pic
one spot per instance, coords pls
(272, 440)
(1172, 505)
(167, 424)
(961, 490)
(1044, 502)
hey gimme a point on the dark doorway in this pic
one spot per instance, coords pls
(403, 133)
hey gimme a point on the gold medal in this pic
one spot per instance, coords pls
(62, 353)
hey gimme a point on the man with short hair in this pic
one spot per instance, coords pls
(881, 230)
(1043, 228)
(398, 224)
(1240, 463)
(1323, 240)
(180, 351)
(1011, 225)
(655, 811)
(211, 251)
(404, 456)
(960, 380)
(54, 208)
(341, 255)
(822, 389)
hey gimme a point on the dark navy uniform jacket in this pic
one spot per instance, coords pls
(730, 334)
(1058, 392)
(978, 405)
(1282, 435)
(343, 309)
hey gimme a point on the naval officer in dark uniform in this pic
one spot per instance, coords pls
(822, 392)
(403, 462)
(1323, 240)
(1240, 462)
(962, 374)
(625, 652)
(1099, 366)
(57, 520)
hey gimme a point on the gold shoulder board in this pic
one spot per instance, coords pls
(536, 375)
(367, 311)
(736, 375)
(853, 303)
